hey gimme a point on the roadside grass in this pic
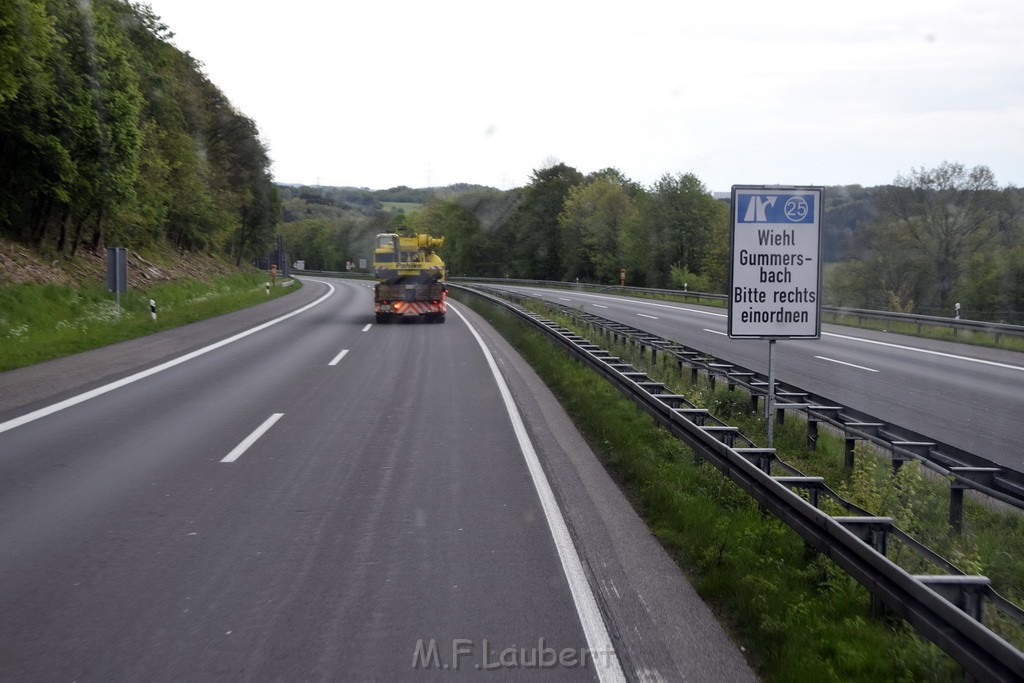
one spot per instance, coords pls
(41, 322)
(798, 616)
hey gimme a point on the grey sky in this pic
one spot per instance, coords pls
(380, 94)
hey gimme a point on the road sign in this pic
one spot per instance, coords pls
(775, 270)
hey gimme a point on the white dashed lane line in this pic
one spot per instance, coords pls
(842, 362)
(252, 438)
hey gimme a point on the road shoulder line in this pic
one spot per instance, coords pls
(599, 641)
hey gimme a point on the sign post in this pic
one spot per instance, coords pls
(117, 273)
(775, 269)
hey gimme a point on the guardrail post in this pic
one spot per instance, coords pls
(956, 507)
(982, 475)
(755, 403)
(897, 463)
(762, 458)
(875, 532)
(812, 435)
(812, 485)
(851, 444)
(966, 592)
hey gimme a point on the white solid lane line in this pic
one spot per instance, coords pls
(927, 351)
(337, 359)
(599, 642)
(252, 438)
(841, 362)
(650, 303)
(99, 391)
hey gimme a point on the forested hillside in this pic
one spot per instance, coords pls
(934, 238)
(110, 135)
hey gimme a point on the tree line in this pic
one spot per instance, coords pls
(565, 225)
(933, 238)
(109, 134)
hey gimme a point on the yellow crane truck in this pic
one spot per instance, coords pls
(410, 278)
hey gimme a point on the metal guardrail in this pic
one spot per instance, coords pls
(964, 470)
(944, 607)
(955, 324)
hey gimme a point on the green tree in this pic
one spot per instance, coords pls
(948, 212)
(109, 131)
(680, 218)
(533, 240)
(594, 217)
(888, 273)
(716, 259)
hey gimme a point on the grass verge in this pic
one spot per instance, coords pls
(41, 322)
(991, 543)
(992, 539)
(798, 615)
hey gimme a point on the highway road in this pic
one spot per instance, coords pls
(294, 493)
(967, 396)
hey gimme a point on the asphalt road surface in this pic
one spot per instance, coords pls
(294, 493)
(967, 396)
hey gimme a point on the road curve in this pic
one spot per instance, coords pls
(322, 498)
